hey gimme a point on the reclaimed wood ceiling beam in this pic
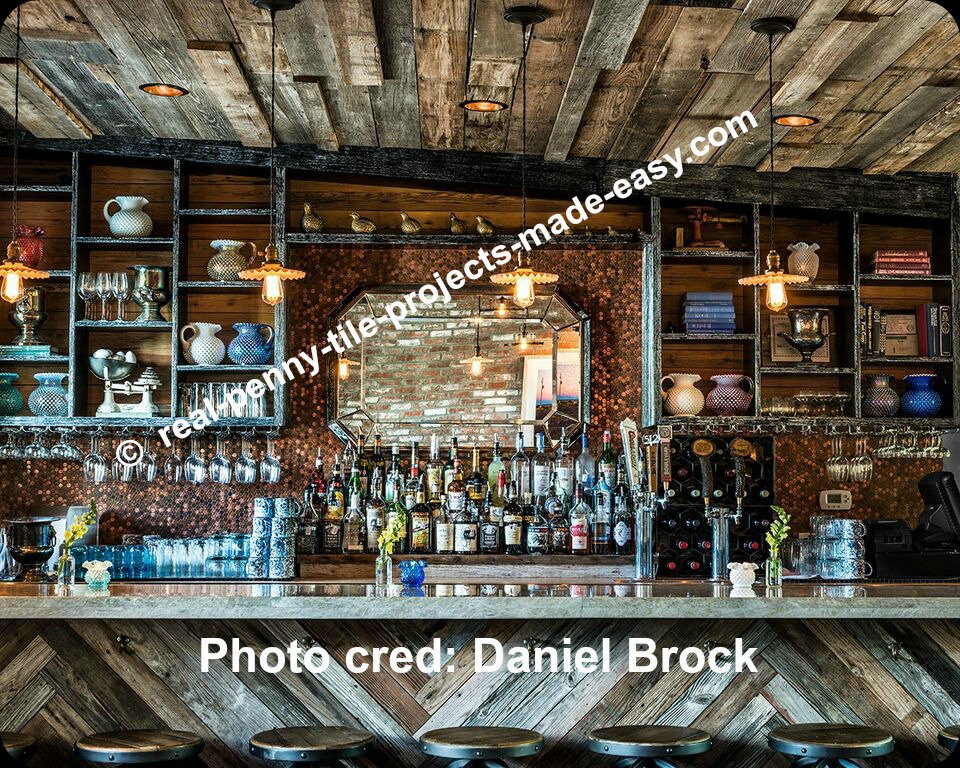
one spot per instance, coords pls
(396, 103)
(938, 130)
(355, 35)
(743, 51)
(42, 112)
(440, 32)
(606, 41)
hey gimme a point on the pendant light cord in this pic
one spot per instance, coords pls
(273, 109)
(773, 246)
(16, 130)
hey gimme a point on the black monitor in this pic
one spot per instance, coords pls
(940, 520)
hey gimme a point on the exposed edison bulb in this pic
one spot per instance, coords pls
(271, 290)
(502, 307)
(524, 344)
(343, 369)
(776, 295)
(523, 295)
(476, 367)
(12, 287)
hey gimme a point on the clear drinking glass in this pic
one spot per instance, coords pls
(121, 292)
(121, 471)
(195, 467)
(173, 467)
(195, 558)
(65, 451)
(10, 450)
(36, 450)
(87, 290)
(221, 468)
(245, 469)
(270, 464)
(104, 291)
(94, 464)
(146, 470)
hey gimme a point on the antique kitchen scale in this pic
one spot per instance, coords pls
(112, 368)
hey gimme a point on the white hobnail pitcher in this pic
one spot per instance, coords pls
(683, 398)
(202, 347)
(131, 220)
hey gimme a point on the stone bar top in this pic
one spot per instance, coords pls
(303, 599)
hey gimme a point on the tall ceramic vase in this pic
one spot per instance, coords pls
(682, 398)
(731, 396)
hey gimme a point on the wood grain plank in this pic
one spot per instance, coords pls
(440, 35)
(39, 114)
(24, 705)
(396, 103)
(745, 51)
(23, 667)
(355, 36)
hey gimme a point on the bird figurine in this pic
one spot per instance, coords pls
(409, 225)
(611, 231)
(362, 225)
(310, 222)
(484, 227)
(457, 226)
(567, 232)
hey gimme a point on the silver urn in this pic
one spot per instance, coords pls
(151, 291)
(28, 315)
(806, 331)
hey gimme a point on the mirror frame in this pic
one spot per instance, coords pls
(348, 436)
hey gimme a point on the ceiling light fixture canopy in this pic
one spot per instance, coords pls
(774, 278)
(795, 121)
(483, 105)
(167, 90)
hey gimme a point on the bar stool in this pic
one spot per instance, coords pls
(480, 747)
(19, 746)
(320, 744)
(648, 746)
(827, 745)
(139, 747)
(949, 737)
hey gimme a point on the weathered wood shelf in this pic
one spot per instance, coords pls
(38, 189)
(825, 370)
(694, 337)
(696, 253)
(226, 368)
(904, 279)
(127, 243)
(212, 285)
(868, 360)
(114, 325)
(398, 238)
(51, 360)
(224, 212)
(822, 288)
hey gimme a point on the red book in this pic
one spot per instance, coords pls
(900, 271)
(893, 254)
(923, 326)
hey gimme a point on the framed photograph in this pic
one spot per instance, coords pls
(780, 349)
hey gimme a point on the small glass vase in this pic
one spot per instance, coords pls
(773, 572)
(66, 570)
(384, 571)
(98, 582)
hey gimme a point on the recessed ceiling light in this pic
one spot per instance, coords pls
(164, 89)
(482, 105)
(795, 121)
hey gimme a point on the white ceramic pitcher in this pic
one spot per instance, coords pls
(202, 347)
(131, 220)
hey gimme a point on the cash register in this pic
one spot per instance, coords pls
(929, 551)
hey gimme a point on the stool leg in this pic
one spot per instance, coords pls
(846, 763)
(663, 763)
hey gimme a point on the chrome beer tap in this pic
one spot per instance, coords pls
(645, 504)
(719, 517)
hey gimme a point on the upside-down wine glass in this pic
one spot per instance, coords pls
(94, 464)
(270, 464)
(221, 468)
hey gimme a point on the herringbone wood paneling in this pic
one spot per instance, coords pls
(59, 680)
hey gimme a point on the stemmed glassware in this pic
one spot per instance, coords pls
(146, 469)
(221, 468)
(122, 291)
(87, 290)
(104, 291)
(195, 467)
(173, 467)
(270, 464)
(65, 451)
(94, 464)
(245, 469)
(121, 471)
(36, 450)
(10, 451)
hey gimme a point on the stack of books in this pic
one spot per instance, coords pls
(924, 332)
(899, 262)
(708, 312)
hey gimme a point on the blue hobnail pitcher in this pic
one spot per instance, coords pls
(411, 573)
(11, 401)
(921, 400)
(50, 397)
(251, 347)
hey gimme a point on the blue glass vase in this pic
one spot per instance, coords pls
(411, 573)
(921, 400)
(11, 401)
(251, 347)
(50, 396)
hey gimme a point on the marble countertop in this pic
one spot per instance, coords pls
(303, 599)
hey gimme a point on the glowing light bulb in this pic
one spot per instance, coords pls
(343, 369)
(272, 290)
(476, 367)
(12, 288)
(776, 296)
(523, 294)
(524, 342)
(502, 307)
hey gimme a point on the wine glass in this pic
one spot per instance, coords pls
(94, 464)
(65, 451)
(245, 469)
(147, 467)
(87, 290)
(221, 468)
(173, 467)
(270, 464)
(121, 292)
(10, 451)
(104, 291)
(120, 470)
(195, 467)
(36, 450)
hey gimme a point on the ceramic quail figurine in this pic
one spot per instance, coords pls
(484, 227)
(457, 226)
(310, 222)
(362, 224)
(611, 231)
(409, 225)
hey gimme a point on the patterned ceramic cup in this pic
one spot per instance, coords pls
(263, 507)
(287, 506)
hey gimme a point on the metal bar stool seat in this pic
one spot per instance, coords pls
(648, 746)
(19, 746)
(480, 747)
(827, 745)
(317, 744)
(949, 736)
(139, 747)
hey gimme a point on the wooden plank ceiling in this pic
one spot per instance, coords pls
(619, 79)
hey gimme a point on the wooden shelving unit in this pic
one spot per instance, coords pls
(191, 204)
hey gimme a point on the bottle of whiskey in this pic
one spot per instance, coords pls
(375, 513)
(512, 523)
(541, 467)
(450, 467)
(353, 525)
(607, 462)
(456, 490)
(421, 523)
(493, 472)
(314, 507)
(414, 479)
(602, 518)
(553, 500)
(579, 524)
(559, 530)
(362, 463)
(396, 510)
(466, 529)
(393, 474)
(443, 528)
(434, 471)
(331, 540)
(565, 468)
(623, 527)
(491, 528)
(538, 532)
(376, 460)
(520, 467)
(476, 483)
(586, 467)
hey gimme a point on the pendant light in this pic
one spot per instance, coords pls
(524, 279)
(12, 271)
(774, 278)
(477, 363)
(272, 273)
(343, 367)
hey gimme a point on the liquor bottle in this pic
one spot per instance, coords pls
(353, 525)
(668, 522)
(414, 480)
(670, 565)
(375, 513)
(356, 484)
(443, 528)
(450, 467)
(538, 532)
(456, 489)
(520, 467)
(540, 470)
(621, 490)
(376, 460)
(579, 524)
(692, 521)
(397, 510)
(603, 496)
(553, 500)
(682, 543)
(477, 483)
(559, 530)
(336, 507)
(493, 471)
(421, 523)
(602, 518)
(491, 528)
(586, 467)
(314, 508)
(565, 468)
(512, 523)
(465, 529)
(623, 528)
(434, 471)
(394, 473)
(363, 464)
(499, 497)
(607, 462)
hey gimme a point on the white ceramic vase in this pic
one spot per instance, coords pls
(202, 347)
(683, 398)
(131, 220)
(803, 260)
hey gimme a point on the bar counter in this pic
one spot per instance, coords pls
(338, 600)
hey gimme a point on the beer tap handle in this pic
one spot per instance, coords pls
(704, 449)
(740, 449)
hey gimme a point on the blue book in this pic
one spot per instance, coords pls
(719, 313)
(709, 296)
(692, 327)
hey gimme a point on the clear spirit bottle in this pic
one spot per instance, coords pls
(541, 470)
(520, 467)
(443, 528)
(493, 472)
